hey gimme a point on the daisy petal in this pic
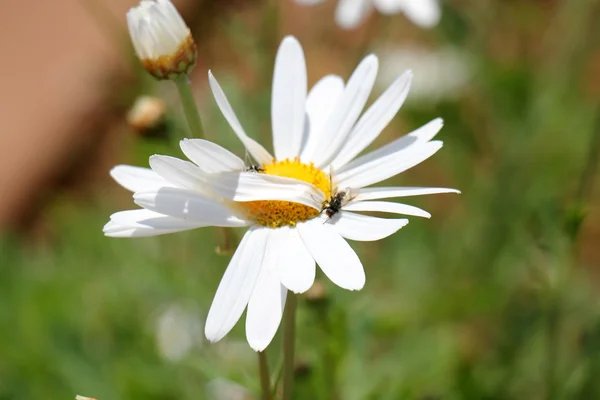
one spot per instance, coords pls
(375, 119)
(259, 153)
(386, 206)
(347, 110)
(267, 302)
(350, 13)
(320, 102)
(389, 192)
(288, 99)
(190, 206)
(424, 13)
(383, 168)
(136, 179)
(237, 284)
(143, 223)
(180, 172)
(364, 228)
(417, 137)
(333, 254)
(390, 7)
(211, 157)
(249, 186)
(296, 265)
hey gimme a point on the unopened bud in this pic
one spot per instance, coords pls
(78, 397)
(161, 39)
(146, 114)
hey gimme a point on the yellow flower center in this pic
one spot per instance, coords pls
(277, 213)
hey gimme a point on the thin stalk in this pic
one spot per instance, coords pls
(189, 106)
(277, 377)
(226, 249)
(590, 167)
(268, 39)
(265, 382)
(553, 340)
(289, 333)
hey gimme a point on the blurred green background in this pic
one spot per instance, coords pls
(495, 297)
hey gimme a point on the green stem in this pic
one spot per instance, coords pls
(289, 334)
(553, 340)
(189, 106)
(265, 383)
(590, 167)
(277, 377)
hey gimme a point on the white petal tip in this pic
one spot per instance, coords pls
(352, 286)
(357, 288)
(212, 337)
(290, 39)
(297, 291)
(115, 172)
(258, 345)
(213, 333)
(371, 58)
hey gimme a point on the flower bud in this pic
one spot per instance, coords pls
(146, 114)
(78, 397)
(161, 39)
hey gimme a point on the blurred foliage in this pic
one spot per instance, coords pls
(488, 300)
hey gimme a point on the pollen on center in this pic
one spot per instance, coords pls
(277, 213)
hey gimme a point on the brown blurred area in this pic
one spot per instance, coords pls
(53, 99)
(61, 123)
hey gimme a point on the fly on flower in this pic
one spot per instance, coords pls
(251, 166)
(338, 200)
(254, 168)
(313, 132)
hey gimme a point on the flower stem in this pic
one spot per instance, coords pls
(288, 346)
(590, 167)
(265, 382)
(553, 340)
(189, 106)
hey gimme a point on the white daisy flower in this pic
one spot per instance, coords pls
(351, 13)
(161, 39)
(291, 202)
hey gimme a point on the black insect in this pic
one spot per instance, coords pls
(254, 168)
(251, 166)
(335, 204)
